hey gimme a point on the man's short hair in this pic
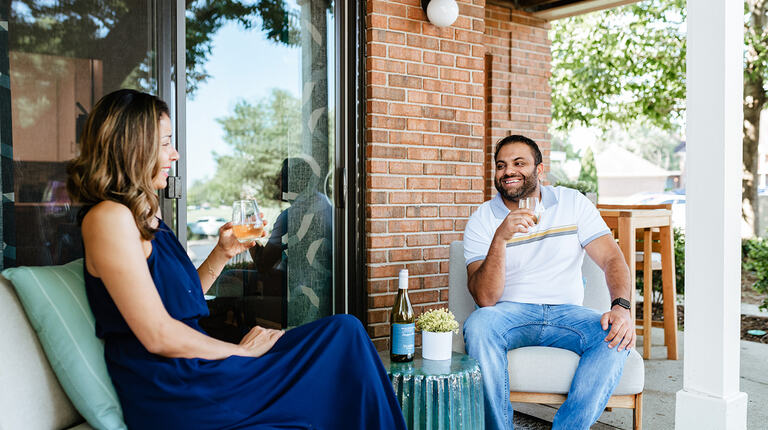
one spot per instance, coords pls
(518, 138)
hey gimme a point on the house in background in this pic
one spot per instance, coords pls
(622, 174)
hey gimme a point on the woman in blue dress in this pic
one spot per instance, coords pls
(147, 298)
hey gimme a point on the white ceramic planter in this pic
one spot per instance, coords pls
(436, 346)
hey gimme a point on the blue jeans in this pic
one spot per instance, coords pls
(491, 331)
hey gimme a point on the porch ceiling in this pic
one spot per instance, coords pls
(550, 10)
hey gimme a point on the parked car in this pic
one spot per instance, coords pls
(677, 201)
(207, 226)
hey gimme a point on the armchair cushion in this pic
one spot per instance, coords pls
(525, 373)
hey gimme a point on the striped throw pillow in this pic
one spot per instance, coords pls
(54, 300)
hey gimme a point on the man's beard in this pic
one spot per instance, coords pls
(529, 186)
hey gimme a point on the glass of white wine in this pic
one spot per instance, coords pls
(534, 205)
(246, 221)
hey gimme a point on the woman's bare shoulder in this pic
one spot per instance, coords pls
(109, 214)
(111, 237)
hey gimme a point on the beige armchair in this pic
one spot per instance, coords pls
(527, 382)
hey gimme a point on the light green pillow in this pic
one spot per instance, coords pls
(55, 303)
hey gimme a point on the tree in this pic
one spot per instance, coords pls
(755, 76)
(621, 64)
(628, 63)
(260, 136)
(588, 169)
(89, 28)
(205, 17)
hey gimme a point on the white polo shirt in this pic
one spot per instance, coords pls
(544, 265)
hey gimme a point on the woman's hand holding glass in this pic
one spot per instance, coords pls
(247, 221)
(246, 226)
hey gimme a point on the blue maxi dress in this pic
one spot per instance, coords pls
(322, 375)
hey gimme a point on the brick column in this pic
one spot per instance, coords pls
(517, 66)
(424, 149)
(429, 105)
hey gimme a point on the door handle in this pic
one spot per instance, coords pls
(341, 188)
(173, 190)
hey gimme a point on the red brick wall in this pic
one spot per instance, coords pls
(517, 89)
(427, 142)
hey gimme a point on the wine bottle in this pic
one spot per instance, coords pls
(403, 328)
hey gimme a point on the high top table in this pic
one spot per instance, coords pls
(625, 220)
(438, 394)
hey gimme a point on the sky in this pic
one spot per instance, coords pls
(242, 65)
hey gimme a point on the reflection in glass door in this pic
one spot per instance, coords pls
(60, 58)
(260, 114)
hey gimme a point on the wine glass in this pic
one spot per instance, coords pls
(246, 221)
(534, 205)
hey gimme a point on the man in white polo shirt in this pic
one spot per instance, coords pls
(526, 279)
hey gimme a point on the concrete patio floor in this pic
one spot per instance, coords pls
(663, 379)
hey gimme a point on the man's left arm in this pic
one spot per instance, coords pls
(607, 255)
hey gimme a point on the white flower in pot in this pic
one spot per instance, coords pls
(436, 328)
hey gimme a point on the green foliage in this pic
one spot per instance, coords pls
(260, 136)
(627, 64)
(243, 265)
(754, 253)
(679, 245)
(87, 29)
(437, 321)
(588, 171)
(679, 249)
(205, 17)
(756, 41)
(580, 186)
(620, 65)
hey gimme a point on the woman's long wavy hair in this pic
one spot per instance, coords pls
(118, 159)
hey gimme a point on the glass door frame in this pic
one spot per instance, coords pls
(172, 78)
(349, 288)
(349, 249)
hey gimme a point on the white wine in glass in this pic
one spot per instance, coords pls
(533, 204)
(246, 222)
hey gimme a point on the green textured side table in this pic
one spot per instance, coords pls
(438, 394)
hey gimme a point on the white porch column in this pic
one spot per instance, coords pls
(710, 398)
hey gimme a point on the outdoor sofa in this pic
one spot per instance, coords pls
(31, 397)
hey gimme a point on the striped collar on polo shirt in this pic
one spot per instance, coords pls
(500, 210)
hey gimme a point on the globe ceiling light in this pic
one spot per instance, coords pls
(441, 13)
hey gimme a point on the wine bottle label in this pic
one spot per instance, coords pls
(403, 338)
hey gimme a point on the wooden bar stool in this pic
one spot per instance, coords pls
(652, 224)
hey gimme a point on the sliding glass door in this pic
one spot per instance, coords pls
(260, 125)
(266, 105)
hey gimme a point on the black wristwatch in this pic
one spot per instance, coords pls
(624, 303)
